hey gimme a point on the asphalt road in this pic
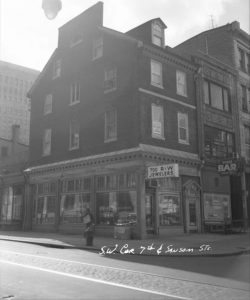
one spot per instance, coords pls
(35, 272)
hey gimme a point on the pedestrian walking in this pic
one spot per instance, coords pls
(88, 220)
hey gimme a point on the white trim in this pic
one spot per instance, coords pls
(166, 98)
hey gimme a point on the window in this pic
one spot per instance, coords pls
(4, 151)
(76, 40)
(218, 143)
(183, 132)
(157, 34)
(57, 68)
(110, 78)
(97, 48)
(247, 135)
(47, 142)
(169, 210)
(216, 96)
(75, 93)
(156, 73)
(157, 121)
(74, 135)
(48, 105)
(248, 63)
(181, 83)
(242, 59)
(244, 98)
(111, 125)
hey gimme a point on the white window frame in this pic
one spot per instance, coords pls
(97, 48)
(157, 35)
(75, 142)
(110, 80)
(75, 90)
(48, 103)
(181, 83)
(157, 125)
(47, 141)
(153, 64)
(57, 68)
(186, 128)
(108, 124)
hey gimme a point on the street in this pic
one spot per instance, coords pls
(36, 272)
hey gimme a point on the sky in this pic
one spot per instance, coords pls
(28, 38)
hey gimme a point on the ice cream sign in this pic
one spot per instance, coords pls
(170, 170)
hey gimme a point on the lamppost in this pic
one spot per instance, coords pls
(51, 8)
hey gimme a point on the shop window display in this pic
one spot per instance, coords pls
(116, 207)
(169, 210)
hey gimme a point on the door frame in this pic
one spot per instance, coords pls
(192, 193)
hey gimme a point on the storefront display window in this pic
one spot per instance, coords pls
(169, 210)
(116, 207)
(12, 204)
(44, 210)
(73, 207)
(217, 207)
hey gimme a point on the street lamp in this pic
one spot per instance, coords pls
(51, 8)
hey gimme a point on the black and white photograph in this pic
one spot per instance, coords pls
(124, 150)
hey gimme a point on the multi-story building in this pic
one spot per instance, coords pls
(15, 81)
(230, 45)
(114, 128)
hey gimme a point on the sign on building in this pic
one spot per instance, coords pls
(229, 167)
(163, 171)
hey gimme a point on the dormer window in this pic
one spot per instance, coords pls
(157, 34)
(77, 39)
(57, 68)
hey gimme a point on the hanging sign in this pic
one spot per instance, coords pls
(229, 167)
(163, 171)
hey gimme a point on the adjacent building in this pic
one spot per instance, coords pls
(114, 129)
(230, 45)
(15, 81)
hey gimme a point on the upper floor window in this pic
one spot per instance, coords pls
(110, 125)
(181, 83)
(157, 121)
(57, 68)
(157, 34)
(216, 96)
(4, 151)
(97, 47)
(247, 135)
(248, 63)
(183, 131)
(244, 98)
(77, 39)
(47, 104)
(110, 80)
(74, 135)
(156, 73)
(75, 92)
(242, 59)
(218, 143)
(47, 142)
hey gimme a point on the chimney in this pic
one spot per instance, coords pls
(15, 137)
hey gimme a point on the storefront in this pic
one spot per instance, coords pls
(117, 190)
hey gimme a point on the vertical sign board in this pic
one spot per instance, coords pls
(163, 171)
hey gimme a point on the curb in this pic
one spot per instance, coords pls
(93, 248)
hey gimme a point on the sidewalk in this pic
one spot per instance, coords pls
(182, 245)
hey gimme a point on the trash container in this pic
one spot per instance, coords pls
(122, 231)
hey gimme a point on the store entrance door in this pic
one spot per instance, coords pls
(150, 211)
(192, 201)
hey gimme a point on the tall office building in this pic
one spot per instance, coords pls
(15, 81)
